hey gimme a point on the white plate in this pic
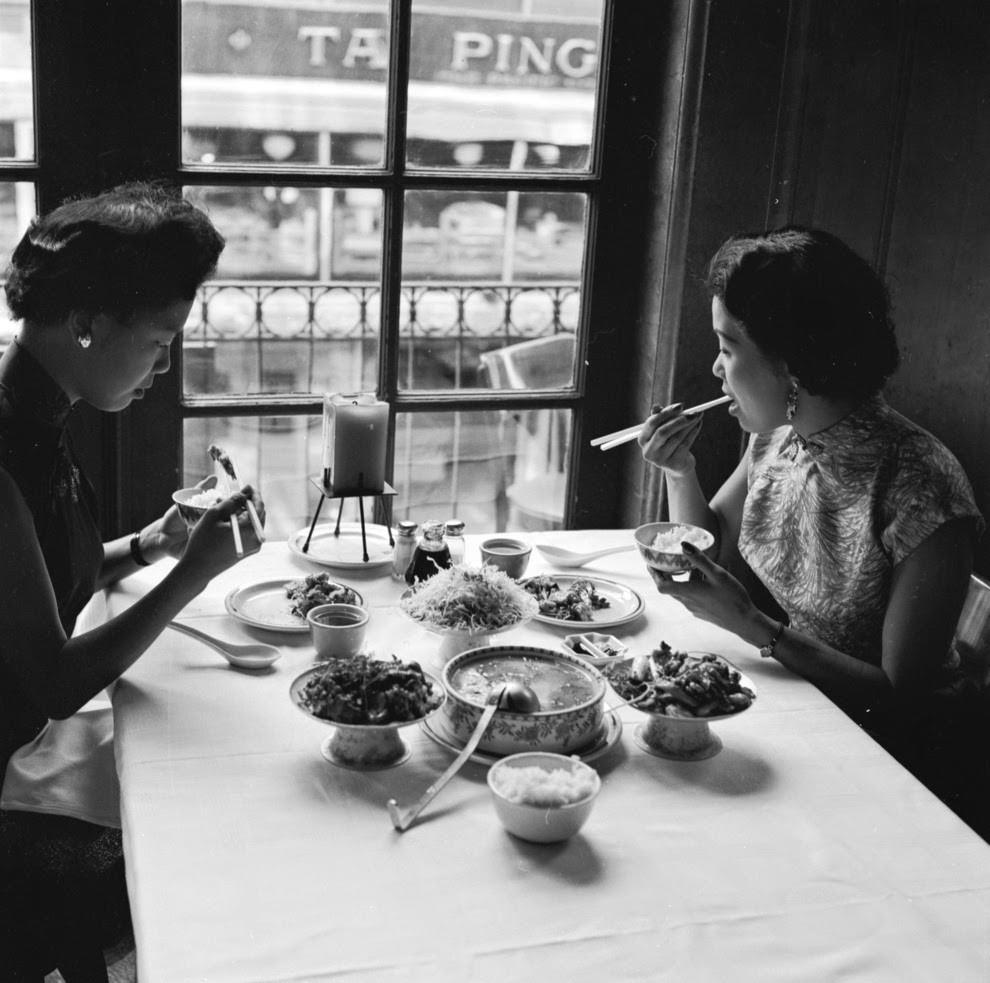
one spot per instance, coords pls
(625, 604)
(266, 605)
(608, 736)
(345, 550)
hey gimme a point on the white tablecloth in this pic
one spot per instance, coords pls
(800, 852)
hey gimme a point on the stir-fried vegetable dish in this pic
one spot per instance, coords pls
(317, 588)
(370, 691)
(464, 599)
(578, 602)
(680, 684)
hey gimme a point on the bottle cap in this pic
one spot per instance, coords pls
(407, 527)
(455, 527)
(433, 529)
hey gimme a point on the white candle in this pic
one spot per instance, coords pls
(355, 429)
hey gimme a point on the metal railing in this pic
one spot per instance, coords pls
(314, 337)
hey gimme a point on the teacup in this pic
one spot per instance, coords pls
(511, 556)
(337, 630)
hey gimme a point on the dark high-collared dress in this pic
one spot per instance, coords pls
(68, 873)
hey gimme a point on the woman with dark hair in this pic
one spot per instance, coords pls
(858, 523)
(102, 287)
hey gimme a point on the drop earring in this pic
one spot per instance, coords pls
(792, 401)
(85, 340)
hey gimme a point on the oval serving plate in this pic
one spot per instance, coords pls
(266, 605)
(346, 550)
(625, 604)
(610, 733)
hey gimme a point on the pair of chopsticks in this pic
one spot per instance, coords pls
(610, 440)
(222, 458)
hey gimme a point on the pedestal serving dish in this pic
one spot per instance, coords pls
(363, 746)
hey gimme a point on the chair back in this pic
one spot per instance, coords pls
(972, 640)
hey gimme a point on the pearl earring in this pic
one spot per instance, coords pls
(792, 401)
(85, 340)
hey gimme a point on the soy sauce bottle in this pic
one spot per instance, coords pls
(432, 553)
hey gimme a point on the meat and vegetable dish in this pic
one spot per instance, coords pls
(680, 684)
(578, 602)
(360, 690)
(317, 588)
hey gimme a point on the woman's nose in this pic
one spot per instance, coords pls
(717, 367)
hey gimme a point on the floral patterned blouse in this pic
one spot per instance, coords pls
(826, 519)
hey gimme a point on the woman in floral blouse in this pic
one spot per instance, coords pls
(858, 523)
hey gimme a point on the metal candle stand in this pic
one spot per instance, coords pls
(327, 490)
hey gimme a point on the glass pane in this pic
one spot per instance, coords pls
(484, 273)
(284, 84)
(16, 89)
(486, 468)
(508, 85)
(495, 469)
(292, 308)
(17, 208)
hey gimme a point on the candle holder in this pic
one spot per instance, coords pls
(326, 490)
(355, 433)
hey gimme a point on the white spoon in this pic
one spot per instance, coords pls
(248, 655)
(568, 558)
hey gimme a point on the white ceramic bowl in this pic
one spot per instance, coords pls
(337, 630)
(468, 678)
(671, 561)
(193, 503)
(541, 823)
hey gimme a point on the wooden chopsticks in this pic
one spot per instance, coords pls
(224, 460)
(610, 440)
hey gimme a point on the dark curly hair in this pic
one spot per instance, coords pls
(135, 245)
(805, 297)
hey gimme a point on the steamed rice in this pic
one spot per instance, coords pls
(670, 541)
(203, 500)
(536, 786)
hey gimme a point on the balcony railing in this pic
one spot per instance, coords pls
(281, 338)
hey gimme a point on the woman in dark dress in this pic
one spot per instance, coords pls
(102, 287)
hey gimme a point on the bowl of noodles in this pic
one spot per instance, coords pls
(466, 606)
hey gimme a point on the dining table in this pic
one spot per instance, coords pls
(800, 851)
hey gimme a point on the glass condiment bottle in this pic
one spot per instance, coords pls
(405, 546)
(431, 555)
(455, 541)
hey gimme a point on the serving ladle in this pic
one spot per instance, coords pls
(244, 655)
(513, 696)
(568, 558)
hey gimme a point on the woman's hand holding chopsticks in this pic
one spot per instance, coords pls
(619, 437)
(666, 439)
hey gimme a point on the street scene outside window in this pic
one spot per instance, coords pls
(491, 274)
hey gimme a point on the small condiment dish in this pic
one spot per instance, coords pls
(543, 811)
(594, 647)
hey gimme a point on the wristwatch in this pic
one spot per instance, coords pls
(766, 651)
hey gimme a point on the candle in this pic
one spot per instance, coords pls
(355, 429)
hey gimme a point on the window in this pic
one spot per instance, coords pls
(415, 204)
(418, 260)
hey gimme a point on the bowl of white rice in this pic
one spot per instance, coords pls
(543, 797)
(660, 544)
(193, 502)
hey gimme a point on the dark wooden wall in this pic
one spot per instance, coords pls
(870, 118)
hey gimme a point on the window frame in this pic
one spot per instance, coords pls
(117, 60)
